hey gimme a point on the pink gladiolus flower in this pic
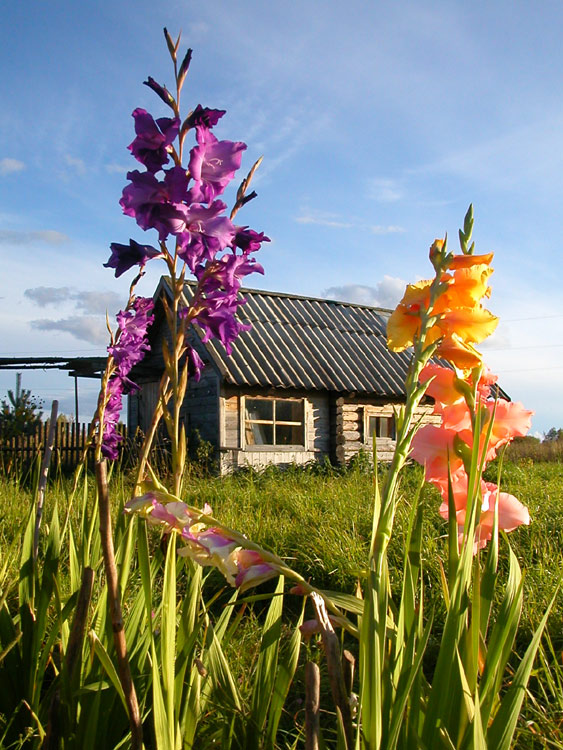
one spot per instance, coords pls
(433, 447)
(511, 420)
(252, 569)
(456, 417)
(442, 388)
(175, 515)
(210, 546)
(511, 512)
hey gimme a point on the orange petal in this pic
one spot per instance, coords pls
(466, 261)
(461, 355)
(471, 324)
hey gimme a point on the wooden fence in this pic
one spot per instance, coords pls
(68, 448)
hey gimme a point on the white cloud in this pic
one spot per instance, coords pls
(384, 190)
(98, 303)
(48, 295)
(334, 221)
(324, 220)
(391, 229)
(117, 168)
(385, 293)
(90, 302)
(498, 341)
(75, 163)
(9, 166)
(84, 328)
(16, 237)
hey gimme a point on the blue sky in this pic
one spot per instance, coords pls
(378, 122)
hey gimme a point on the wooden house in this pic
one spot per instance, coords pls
(312, 379)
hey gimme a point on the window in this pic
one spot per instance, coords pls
(383, 427)
(274, 421)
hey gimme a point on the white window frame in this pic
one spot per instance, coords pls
(273, 422)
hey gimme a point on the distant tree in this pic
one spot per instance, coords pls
(554, 435)
(19, 414)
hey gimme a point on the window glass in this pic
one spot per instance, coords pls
(259, 434)
(384, 427)
(289, 411)
(274, 422)
(288, 434)
(259, 408)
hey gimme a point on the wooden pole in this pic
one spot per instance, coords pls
(76, 399)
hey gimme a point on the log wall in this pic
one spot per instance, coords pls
(350, 427)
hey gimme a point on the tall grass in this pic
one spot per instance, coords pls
(320, 522)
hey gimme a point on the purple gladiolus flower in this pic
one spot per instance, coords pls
(216, 317)
(203, 116)
(153, 138)
(195, 364)
(206, 233)
(161, 91)
(111, 438)
(213, 165)
(248, 240)
(157, 204)
(124, 257)
(128, 349)
(226, 273)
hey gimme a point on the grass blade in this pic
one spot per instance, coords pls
(501, 731)
(267, 659)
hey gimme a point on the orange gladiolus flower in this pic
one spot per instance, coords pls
(404, 323)
(471, 324)
(461, 355)
(466, 261)
(467, 286)
(461, 320)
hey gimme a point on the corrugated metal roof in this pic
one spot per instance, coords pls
(309, 343)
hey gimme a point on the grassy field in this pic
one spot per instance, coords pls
(319, 521)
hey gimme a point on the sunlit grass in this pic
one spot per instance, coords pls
(320, 522)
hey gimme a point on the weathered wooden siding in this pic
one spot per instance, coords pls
(234, 454)
(141, 406)
(200, 410)
(350, 427)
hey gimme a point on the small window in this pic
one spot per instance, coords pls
(273, 421)
(382, 427)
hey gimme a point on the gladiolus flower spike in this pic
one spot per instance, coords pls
(207, 544)
(445, 315)
(180, 203)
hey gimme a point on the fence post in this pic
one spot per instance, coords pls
(43, 476)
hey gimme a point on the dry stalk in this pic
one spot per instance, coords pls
(114, 602)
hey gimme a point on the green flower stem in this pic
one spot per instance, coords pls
(384, 516)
